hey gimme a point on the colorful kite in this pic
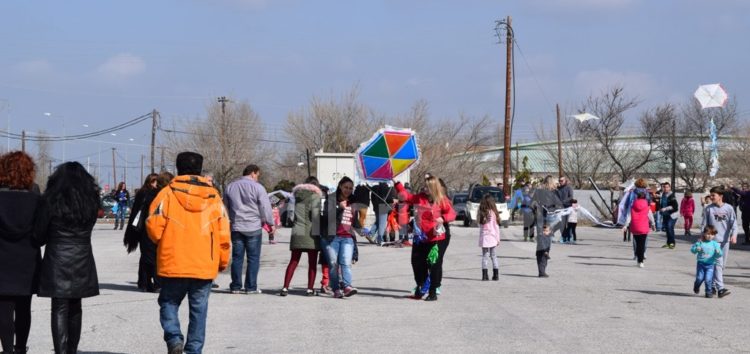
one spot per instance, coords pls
(389, 153)
(712, 96)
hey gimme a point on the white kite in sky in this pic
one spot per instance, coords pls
(711, 96)
(584, 117)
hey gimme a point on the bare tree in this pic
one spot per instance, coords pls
(43, 161)
(333, 125)
(229, 138)
(627, 157)
(693, 142)
(738, 160)
(582, 156)
(450, 149)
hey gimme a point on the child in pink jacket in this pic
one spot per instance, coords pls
(489, 235)
(687, 207)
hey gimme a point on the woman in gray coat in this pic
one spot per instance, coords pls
(305, 232)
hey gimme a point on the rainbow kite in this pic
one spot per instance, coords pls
(389, 153)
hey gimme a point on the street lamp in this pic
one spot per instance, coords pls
(48, 114)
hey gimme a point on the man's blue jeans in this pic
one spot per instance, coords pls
(173, 291)
(705, 272)
(340, 251)
(381, 221)
(246, 243)
(669, 223)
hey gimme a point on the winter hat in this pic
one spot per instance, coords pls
(189, 163)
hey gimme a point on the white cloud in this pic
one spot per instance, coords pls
(121, 66)
(592, 4)
(34, 67)
(582, 6)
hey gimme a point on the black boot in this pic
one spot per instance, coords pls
(484, 275)
(432, 296)
(495, 274)
(74, 325)
(21, 350)
(117, 222)
(60, 312)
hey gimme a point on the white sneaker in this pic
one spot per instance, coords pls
(640, 265)
(251, 292)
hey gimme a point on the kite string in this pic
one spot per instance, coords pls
(714, 149)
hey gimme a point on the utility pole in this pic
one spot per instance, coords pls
(559, 145)
(154, 116)
(518, 166)
(114, 169)
(23, 140)
(506, 25)
(223, 100)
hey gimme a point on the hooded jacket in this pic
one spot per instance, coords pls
(189, 225)
(20, 257)
(306, 229)
(640, 218)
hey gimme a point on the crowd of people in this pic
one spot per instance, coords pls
(187, 231)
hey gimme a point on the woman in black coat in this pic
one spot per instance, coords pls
(135, 235)
(20, 258)
(66, 217)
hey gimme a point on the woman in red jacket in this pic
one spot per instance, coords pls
(432, 208)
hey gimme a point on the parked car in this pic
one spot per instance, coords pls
(459, 204)
(476, 192)
(108, 202)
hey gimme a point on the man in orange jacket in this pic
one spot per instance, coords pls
(189, 225)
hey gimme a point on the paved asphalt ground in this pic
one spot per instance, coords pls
(596, 300)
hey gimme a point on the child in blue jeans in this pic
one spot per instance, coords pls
(708, 252)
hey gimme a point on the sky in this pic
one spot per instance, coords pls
(94, 64)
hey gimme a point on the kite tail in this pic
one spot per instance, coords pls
(714, 150)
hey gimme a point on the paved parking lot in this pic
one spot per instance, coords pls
(596, 300)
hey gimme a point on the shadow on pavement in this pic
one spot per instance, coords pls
(520, 275)
(606, 264)
(511, 257)
(119, 287)
(655, 292)
(458, 278)
(82, 352)
(383, 289)
(375, 294)
(600, 257)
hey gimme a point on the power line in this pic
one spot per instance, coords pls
(216, 136)
(118, 127)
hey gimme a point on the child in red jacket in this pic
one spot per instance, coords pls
(687, 208)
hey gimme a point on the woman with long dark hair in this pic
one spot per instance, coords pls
(67, 215)
(121, 196)
(338, 242)
(20, 257)
(135, 234)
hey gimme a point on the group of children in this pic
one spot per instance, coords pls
(719, 225)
